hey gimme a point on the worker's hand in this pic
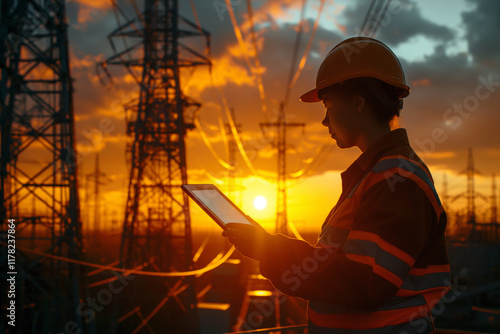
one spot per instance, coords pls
(251, 240)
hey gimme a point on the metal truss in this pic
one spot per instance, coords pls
(38, 165)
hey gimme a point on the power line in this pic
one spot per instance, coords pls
(298, 36)
(211, 266)
(206, 141)
(281, 144)
(307, 50)
(260, 85)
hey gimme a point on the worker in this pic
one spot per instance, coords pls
(380, 263)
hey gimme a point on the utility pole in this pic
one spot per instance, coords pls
(232, 149)
(445, 195)
(157, 226)
(281, 145)
(37, 119)
(494, 208)
(470, 171)
(96, 176)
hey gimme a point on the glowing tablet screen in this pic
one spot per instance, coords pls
(223, 209)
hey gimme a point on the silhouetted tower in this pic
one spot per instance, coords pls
(493, 199)
(470, 171)
(157, 226)
(281, 145)
(444, 194)
(494, 208)
(232, 149)
(38, 169)
(96, 177)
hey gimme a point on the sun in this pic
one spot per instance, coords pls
(260, 202)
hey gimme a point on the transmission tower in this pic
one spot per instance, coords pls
(444, 194)
(494, 208)
(157, 226)
(38, 169)
(232, 149)
(96, 176)
(470, 171)
(281, 145)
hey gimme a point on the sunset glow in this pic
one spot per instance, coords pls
(442, 69)
(260, 202)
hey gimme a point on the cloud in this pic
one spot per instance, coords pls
(483, 24)
(88, 11)
(439, 81)
(102, 5)
(452, 107)
(402, 21)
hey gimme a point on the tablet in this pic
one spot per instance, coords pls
(216, 204)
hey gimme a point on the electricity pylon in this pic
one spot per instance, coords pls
(38, 169)
(157, 226)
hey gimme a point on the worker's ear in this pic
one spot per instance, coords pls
(359, 102)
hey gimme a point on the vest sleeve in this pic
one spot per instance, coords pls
(391, 227)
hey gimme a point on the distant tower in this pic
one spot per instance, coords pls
(38, 170)
(232, 149)
(493, 200)
(157, 227)
(445, 197)
(281, 144)
(494, 209)
(96, 176)
(470, 171)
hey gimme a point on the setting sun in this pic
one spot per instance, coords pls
(260, 202)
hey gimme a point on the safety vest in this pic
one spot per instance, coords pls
(420, 288)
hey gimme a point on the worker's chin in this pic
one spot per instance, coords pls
(342, 145)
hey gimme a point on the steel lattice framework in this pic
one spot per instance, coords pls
(157, 226)
(38, 164)
(281, 145)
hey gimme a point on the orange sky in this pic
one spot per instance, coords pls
(444, 67)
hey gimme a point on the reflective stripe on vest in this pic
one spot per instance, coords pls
(419, 288)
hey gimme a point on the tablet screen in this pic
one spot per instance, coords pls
(223, 209)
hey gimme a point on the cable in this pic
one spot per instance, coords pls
(294, 230)
(315, 158)
(111, 279)
(239, 144)
(196, 19)
(209, 146)
(241, 42)
(92, 273)
(201, 249)
(308, 47)
(377, 9)
(133, 271)
(295, 49)
(160, 304)
(367, 16)
(257, 61)
(379, 18)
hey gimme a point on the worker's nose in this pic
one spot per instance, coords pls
(325, 121)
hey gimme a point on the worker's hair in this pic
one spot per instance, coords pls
(383, 98)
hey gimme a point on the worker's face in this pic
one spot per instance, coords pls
(341, 119)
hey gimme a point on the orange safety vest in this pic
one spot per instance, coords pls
(421, 283)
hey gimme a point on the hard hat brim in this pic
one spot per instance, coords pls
(310, 96)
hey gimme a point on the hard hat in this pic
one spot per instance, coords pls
(359, 57)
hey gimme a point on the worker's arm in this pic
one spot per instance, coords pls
(389, 232)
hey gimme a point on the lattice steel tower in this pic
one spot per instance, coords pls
(281, 145)
(157, 226)
(38, 165)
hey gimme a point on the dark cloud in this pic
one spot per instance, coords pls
(483, 25)
(452, 106)
(402, 21)
(438, 82)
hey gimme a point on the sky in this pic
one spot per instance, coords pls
(448, 49)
